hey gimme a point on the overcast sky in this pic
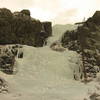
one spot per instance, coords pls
(57, 11)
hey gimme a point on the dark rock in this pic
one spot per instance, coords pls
(94, 96)
(6, 14)
(56, 46)
(16, 50)
(88, 42)
(3, 86)
(96, 17)
(47, 28)
(26, 12)
(20, 55)
(7, 63)
(7, 58)
(21, 28)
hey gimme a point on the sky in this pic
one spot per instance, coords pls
(57, 11)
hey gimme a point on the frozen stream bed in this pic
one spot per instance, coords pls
(44, 74)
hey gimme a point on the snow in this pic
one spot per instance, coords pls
(44, 74)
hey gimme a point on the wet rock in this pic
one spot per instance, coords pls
(56, 46)
(26, 12)
(96, 17)
(16, 50)
(3, 86)
(95, 96)
(20, 55)
(7, 58)
(7, 63)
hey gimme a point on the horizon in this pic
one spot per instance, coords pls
(56, 11)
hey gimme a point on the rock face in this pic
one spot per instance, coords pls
(47, 27)
(96, 17)
(86, 41)
(21, 28)
(7, 63)
(41, 37)
(8, 56)
(3, 86)
(56, 46)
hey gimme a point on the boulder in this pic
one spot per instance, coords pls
(56, 46)
(3, 86)
(95, 96)
(8, 56)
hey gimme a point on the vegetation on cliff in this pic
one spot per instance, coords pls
(21, 28)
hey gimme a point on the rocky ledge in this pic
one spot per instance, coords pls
(21, 28)
(86, 41)
(8, 55)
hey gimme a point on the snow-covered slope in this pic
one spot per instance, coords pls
(44, 74)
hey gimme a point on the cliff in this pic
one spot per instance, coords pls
(87, 34)
(86, 41)
(21, 28)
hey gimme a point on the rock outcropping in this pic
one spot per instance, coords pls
(86, 41)
(4, 88)
(21, 28)
(8, 55)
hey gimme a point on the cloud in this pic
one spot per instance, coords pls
(49, 5)
(67, 16)
(59, 11)
(41, 14)
(16, 4)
